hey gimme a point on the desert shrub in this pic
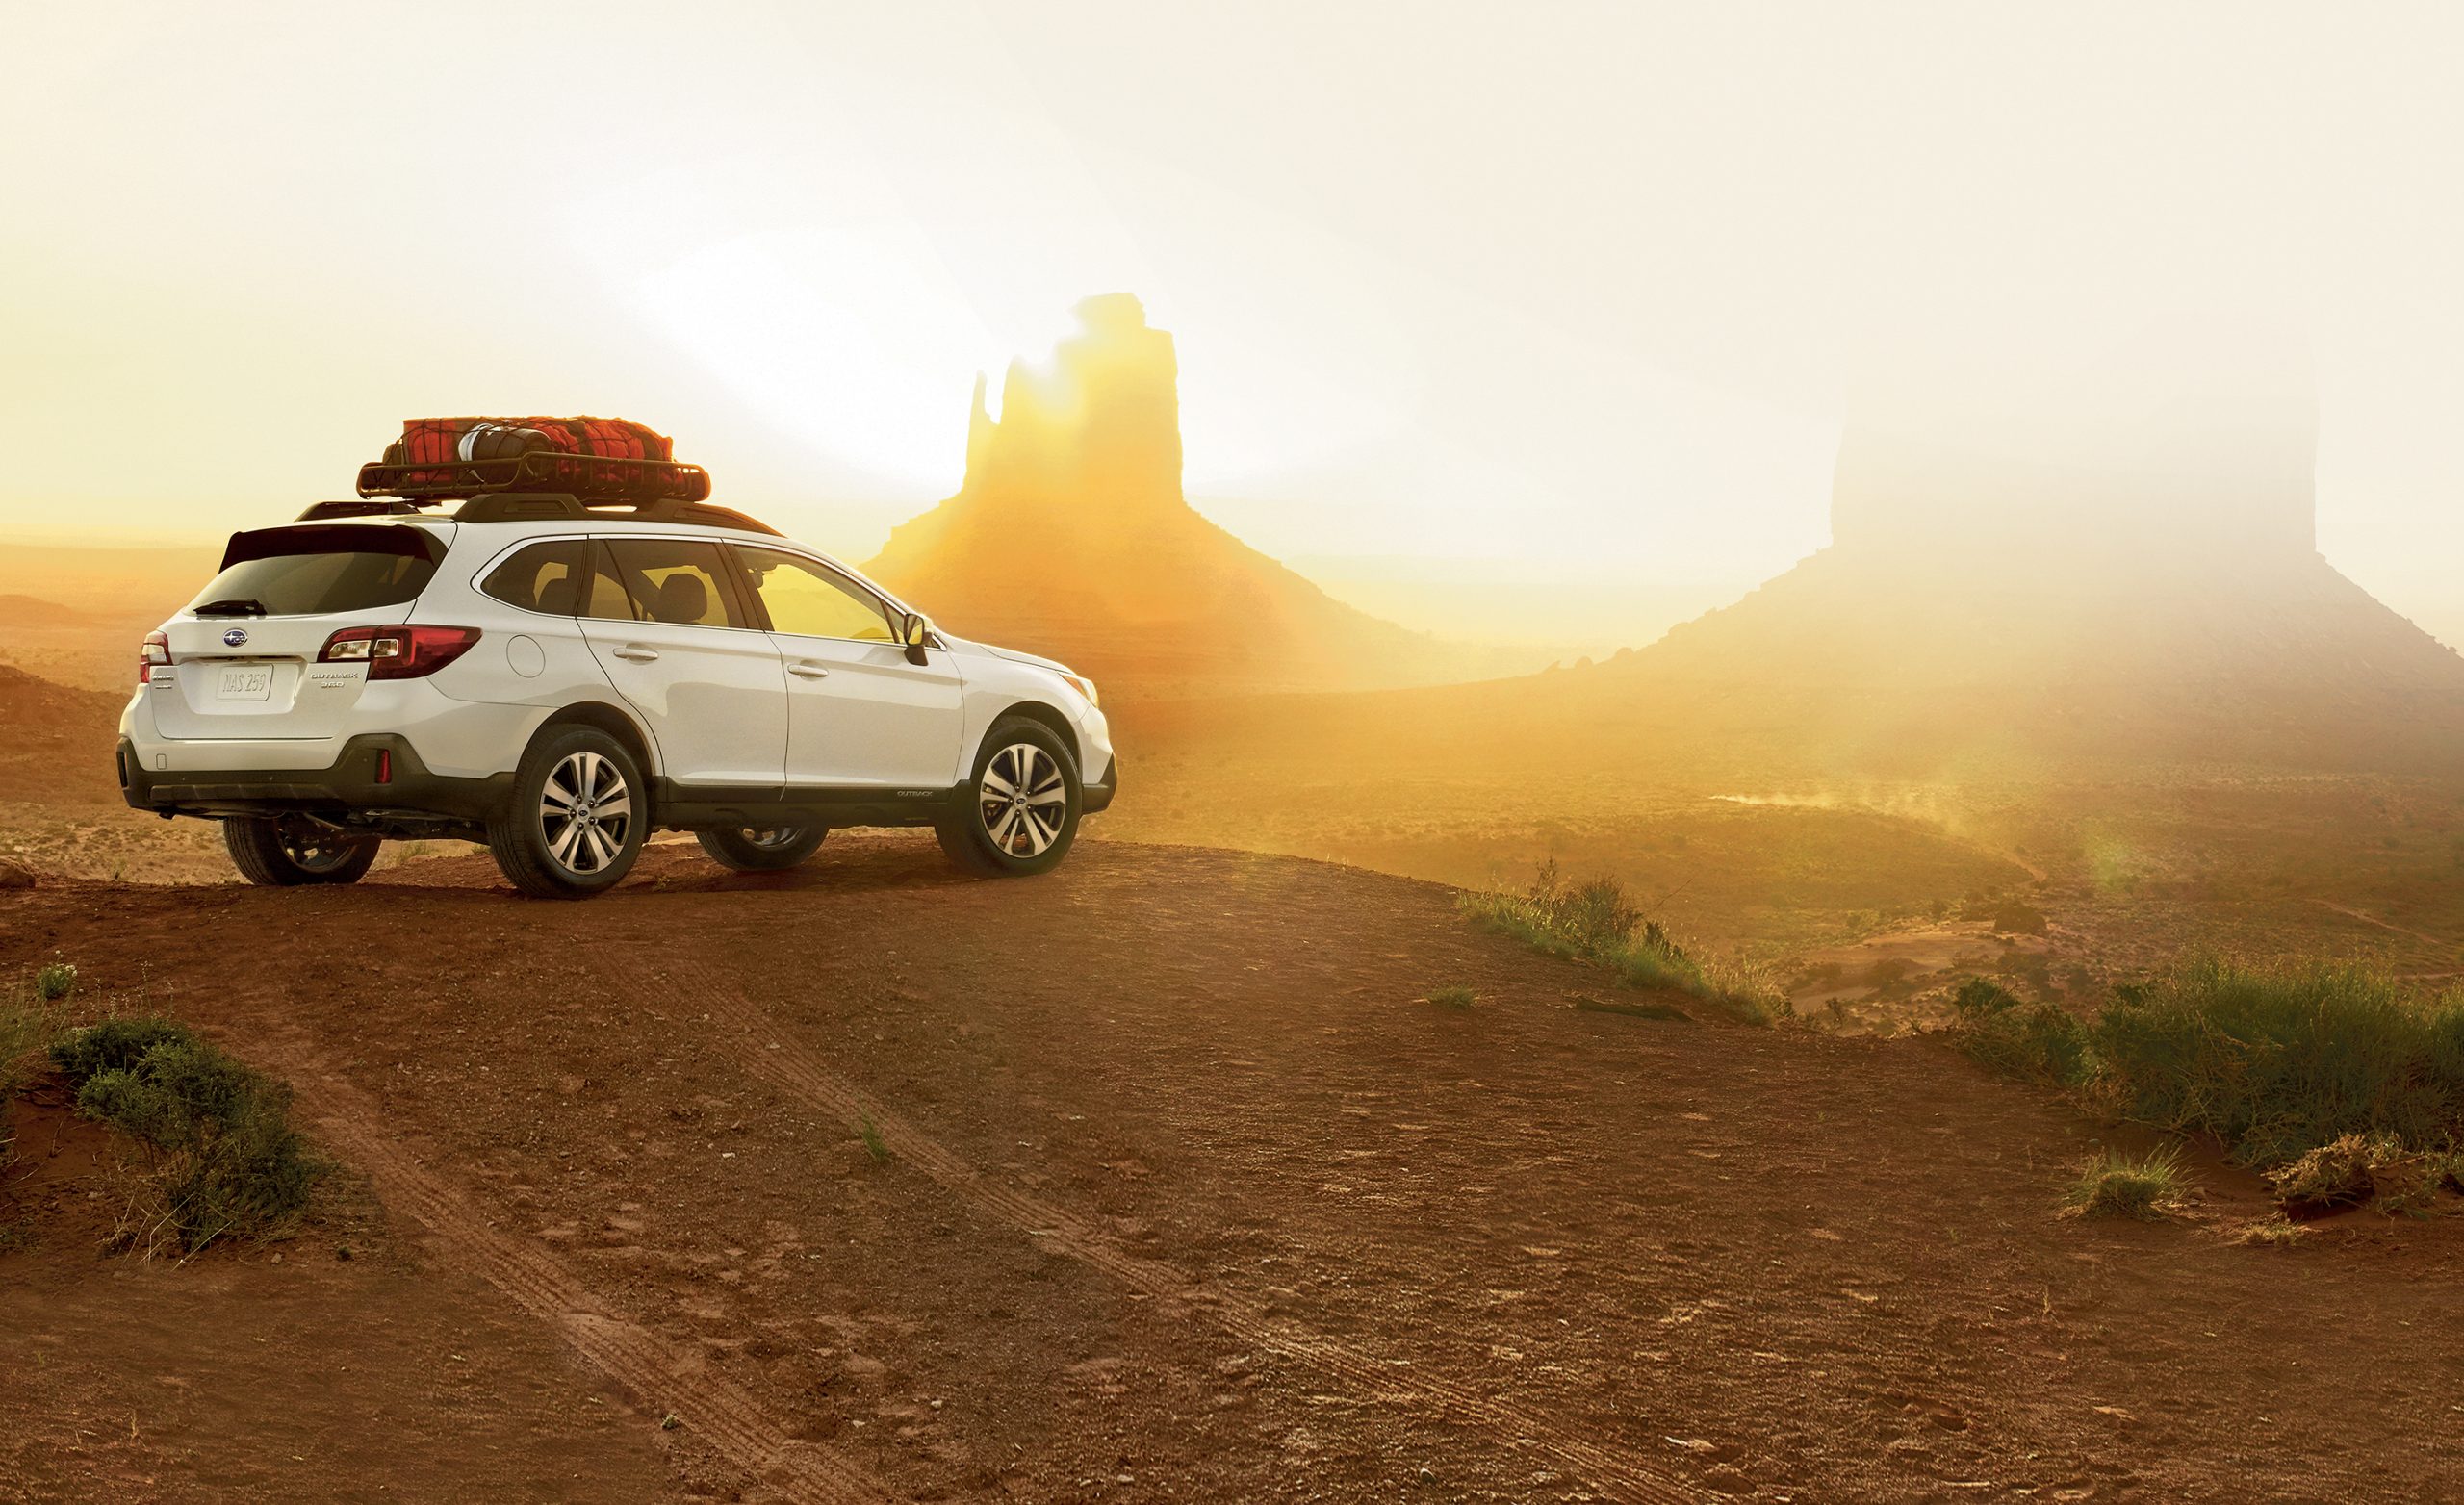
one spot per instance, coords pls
(2113, 1183)
(2276, 1063)
(2347, 1083)
(2040, 1043)
(114, 1044)
(2012, 917)
(2355, 1168)
(54, 981)
(1979, 998)
(1594, 921)
(1457, 996)
(225, 1158)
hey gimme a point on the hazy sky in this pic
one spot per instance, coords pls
(1572, 296)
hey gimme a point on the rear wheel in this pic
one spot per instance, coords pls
(283, 850)
(577, 819)
(762, 848)
(1019, 813)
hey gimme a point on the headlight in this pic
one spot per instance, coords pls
(1085, 687)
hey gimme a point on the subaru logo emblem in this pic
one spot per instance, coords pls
(235, 637)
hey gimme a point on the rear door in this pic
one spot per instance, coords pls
(243, 654)
(858, 714)
(679, 641)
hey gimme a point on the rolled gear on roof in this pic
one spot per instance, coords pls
(611, 459)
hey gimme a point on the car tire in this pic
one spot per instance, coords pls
(286, 851)
(1019, 814)
(756, 849)
(577, 817)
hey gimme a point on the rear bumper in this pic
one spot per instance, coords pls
(1100, 796)
(377, 779)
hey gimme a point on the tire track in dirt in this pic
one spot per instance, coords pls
(721, 1414)
(770, 1054)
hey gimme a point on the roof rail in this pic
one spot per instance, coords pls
(376, 507)
(619, 479)
(522, 506)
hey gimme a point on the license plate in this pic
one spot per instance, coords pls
(245, 683)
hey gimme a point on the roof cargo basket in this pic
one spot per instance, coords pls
(600, 478)
(534, 506)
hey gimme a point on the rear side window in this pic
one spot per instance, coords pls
(543, 578)
(301, 571)
(675, 580)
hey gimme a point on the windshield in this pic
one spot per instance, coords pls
(299, 571)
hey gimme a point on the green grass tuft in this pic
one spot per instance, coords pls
(55, 981)
(870, 1132)
(2113, 1183)
(225, 1160)
(2037, 1043)
(2275, 1064)
(1452, 997)
(1593, 921)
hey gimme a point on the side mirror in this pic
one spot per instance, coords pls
(917, 630)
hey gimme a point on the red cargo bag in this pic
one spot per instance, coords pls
(481, 455)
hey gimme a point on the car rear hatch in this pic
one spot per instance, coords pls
(245, 653)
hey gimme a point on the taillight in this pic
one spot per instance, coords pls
(398, 653)
(157, 651)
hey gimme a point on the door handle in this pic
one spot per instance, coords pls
(806, 669)
(637, 653)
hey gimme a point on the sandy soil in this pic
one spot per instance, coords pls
(1186, 1196)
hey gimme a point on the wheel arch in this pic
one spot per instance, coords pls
(610, 720)
(1050, 716)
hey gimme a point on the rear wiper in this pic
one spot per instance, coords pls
(238, 606)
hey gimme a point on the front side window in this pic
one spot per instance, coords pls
(808, 601)
(668, 580)
(543, 578)
(298, 572)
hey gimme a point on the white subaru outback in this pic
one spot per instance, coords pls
(559, 678)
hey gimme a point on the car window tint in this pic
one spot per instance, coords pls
(806, 599)
(675, 580)
(288, 571)
(543, 578)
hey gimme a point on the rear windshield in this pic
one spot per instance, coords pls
(301, 571)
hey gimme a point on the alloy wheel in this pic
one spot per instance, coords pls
(1023, 800)
(587, 812)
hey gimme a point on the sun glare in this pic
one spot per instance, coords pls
(860, 343)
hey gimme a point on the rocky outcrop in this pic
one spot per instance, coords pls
(1070, 537)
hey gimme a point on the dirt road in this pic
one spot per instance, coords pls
(1182, 1194)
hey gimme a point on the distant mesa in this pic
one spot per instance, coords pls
(1070, 537)
(2110, 457)
(2122, 561)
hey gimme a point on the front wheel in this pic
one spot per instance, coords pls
(1019, 813)
(284, 850)
(577, 817)
(771, 849)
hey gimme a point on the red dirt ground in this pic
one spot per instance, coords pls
(1187, 1196)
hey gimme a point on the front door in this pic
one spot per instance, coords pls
(681, 646)
(858, 714)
